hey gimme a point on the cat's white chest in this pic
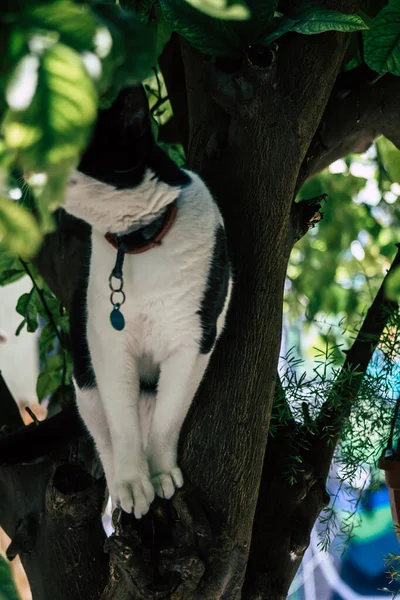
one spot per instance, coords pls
(163, 288)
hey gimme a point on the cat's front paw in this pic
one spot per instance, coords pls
(166, 483)
(134, 495)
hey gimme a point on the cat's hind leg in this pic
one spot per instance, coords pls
(180, 376)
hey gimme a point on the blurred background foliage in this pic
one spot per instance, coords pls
(336, 270)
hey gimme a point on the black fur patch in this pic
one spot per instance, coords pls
(123, 146)
(83, 369)
(215, 293)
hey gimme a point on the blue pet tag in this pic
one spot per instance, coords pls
(117, 319)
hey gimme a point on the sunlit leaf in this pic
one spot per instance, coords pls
(56, 125)
(222, 9)
(390, 156)
(19, 231)
(317, 19)
(382, 41)
(10, 267)
(211, 36)
(313, 19)
(74, 23)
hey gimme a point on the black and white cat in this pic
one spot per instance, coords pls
(136, 374)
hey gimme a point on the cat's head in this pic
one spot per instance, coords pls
(123, 174)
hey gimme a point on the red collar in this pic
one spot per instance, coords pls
(135, 243)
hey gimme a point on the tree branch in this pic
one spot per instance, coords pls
(305, 215)
(360, 109)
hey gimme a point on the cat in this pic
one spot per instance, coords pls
(136, 372)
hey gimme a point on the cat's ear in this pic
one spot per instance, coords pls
(131, 112)
(128, 118)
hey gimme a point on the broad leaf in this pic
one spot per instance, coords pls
(10, 267)
(8, 590)
(75, 24)
(211, 36)
(132, 53)
(220, 9)
(390, 157)
(382, 41)
(27, 306)
(19, 231)
(317, 19)
(50, 378)
(14, 47)
(46, 341)
(311, 20)
(56, 125)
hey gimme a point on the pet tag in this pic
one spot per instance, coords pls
(117, 318)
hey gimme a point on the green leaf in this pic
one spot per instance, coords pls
(10, 267)
(311, 20)
(163, 31)
(48, 382)
(220, 9)
(56, 124)
(8, 590)
(46, 341)
(382, 41)
(20, 327)
(133, 50)
(27, 306)
(211, 36)
(14, 47)
(390, 156)
(75, 24)
(19, 231)
(317, 19)
(392, 285)
(50, 378)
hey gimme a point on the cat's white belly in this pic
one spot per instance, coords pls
(157, 323)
